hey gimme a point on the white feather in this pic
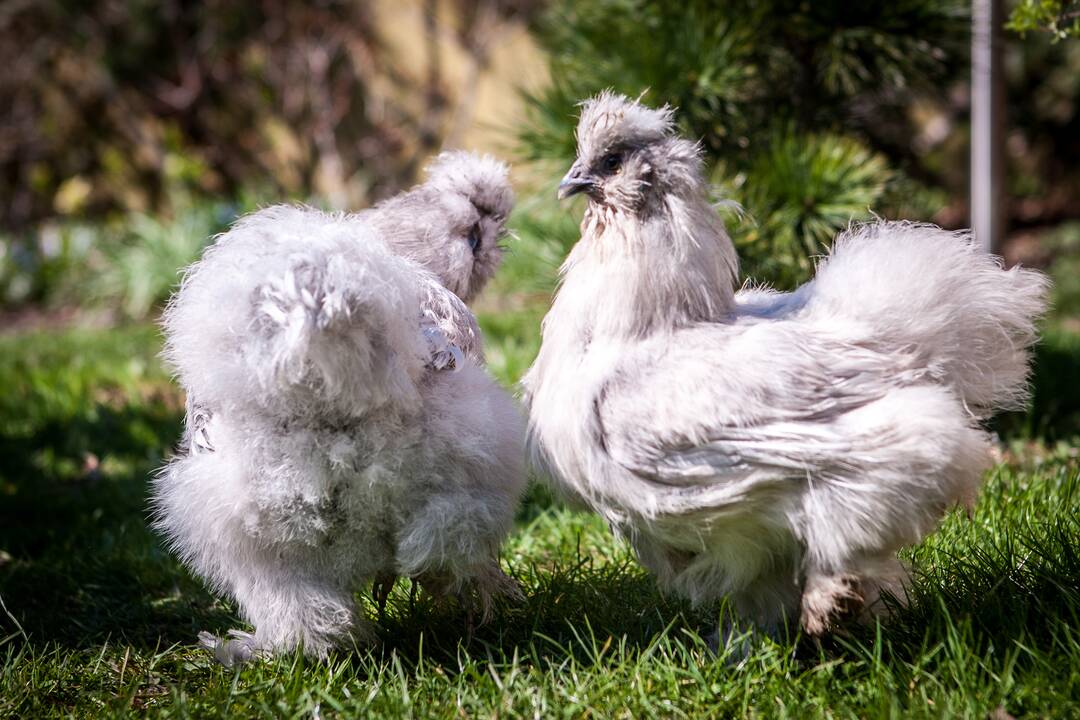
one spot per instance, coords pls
(325, 448)
(775, 448)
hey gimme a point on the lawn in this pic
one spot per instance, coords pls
(98, 620)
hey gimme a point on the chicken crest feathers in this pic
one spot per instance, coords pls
(611, 119)
(481, 178)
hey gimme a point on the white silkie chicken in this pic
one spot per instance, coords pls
(341, 426)
(773, 448)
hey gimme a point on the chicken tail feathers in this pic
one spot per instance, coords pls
(299, 312)
(345, 329)
(916, 288)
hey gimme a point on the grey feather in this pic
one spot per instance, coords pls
(341, 425)
(776, 448)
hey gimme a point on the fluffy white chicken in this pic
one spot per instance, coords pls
(773, 448)
(341, 426)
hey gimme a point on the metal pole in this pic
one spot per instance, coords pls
(987, 126)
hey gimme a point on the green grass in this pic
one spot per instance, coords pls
(99, 621)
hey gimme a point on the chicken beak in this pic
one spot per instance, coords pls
(576, 180)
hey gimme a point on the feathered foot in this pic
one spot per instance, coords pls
(240, 647)
(381, 588)
(828, 600)
(475, 594)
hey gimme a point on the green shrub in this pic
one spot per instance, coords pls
(129, 264)
(143, 263)
(779, 94)
(46, 266)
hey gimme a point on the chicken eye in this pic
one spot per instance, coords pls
(474, 238)
(611, 162)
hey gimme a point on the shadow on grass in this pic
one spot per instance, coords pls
(83, 564)
(1006, 579)
(1054, 413)
(569, 609)
(85, 567)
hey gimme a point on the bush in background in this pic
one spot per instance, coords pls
(778, 93)
(133, 126)
(116, 104)
(815, 114)
(1060, 18)
(128, 265)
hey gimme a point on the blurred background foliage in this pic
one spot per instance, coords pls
(133, 131)
(814, 114)
(1060, 18)
(129, 129)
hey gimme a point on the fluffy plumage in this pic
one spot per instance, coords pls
(341, 427)
(453, 223)
(776, 448)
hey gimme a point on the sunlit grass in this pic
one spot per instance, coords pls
(100, 621)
